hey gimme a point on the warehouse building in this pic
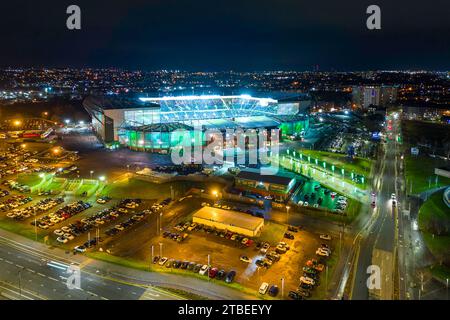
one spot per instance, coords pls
(228, 220)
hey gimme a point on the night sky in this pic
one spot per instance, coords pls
(214, 35)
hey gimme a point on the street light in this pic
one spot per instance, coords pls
(287, 213)
(91, 172)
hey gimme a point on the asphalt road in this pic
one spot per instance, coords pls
(31, 275)
(378, 244)
(40, 272)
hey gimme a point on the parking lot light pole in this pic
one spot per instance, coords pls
(160, 249)
(287, 213)
(447, 288)
(153, 247)
(209, 261)
(91, 173)
(35, 227)
(282, 288)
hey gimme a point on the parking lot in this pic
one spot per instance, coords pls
(160, 230)
(186, 245)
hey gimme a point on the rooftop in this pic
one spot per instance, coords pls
(255, 176)
(232, 218)
(160, 127)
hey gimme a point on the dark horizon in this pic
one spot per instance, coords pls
(227, 36)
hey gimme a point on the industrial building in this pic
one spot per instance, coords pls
(276, 186)
(153, 124)
(232, 221)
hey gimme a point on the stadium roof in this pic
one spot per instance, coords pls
(228, 217)
(255, 176)
(206, 97)
(160, 127)
(116, 102)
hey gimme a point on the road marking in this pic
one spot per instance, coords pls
(91, 293)
(42, 275)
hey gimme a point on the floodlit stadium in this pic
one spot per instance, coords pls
(149, 124)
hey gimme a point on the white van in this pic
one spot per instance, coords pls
(263, 288)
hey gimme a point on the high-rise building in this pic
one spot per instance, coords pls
(365, 96)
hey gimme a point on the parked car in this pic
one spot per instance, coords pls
(213, 272)
(162, 261)
(230, 276)
(307, 280)
(273, 290)
(203, 270)
(294, 295)
(245, 259)
(263, 288)
(325, 237)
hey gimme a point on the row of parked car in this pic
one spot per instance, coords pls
(244, 241)
(137, 217)
(14, 185)
(14, 202)
(202, 269)
(40, 207)
(62, 214)
(311, 272)
(179, 237)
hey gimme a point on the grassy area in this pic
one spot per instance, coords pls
(18, 228)
(359, 166)
(54, 185)
(29, 179)
(134, 188)
(439, 246)
(415, 132)
(434, 215)
(419, 173)
(89, 188)
(441, 273)
(434, 222)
